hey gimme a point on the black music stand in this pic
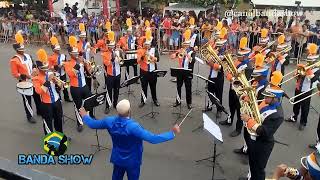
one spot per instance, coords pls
(216, 102)
(207, 81)
(90, 103)
(128, 63)
(179, 73)
(153, 114)
(128, 82)
(215, 132)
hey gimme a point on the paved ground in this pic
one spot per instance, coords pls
(174, 160)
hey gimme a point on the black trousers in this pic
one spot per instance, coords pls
(303, 105)
(78, 95)
(216, 88)
(259, 152)
(113, 86)
(89, 82)
(135, 71)
(234, 106)
(65, 91)
(151, 79)
(94, 35)
(188, 86)
(52, 111)
(27, 103)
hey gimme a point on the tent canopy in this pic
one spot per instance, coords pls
(287, 3)
(186, 7)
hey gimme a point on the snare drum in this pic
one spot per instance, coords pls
(25, 88)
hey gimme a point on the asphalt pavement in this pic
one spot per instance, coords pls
(174, 160)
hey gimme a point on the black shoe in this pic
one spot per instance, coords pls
(106, 110)
(312, 146)
(207, 109)
(235, 133)
(69, 139)
(156, 103)
(189, 106)
(67, 100)
(292, 118)
(32, 120)
(80, 128)
(176, 104)
(301, 127)
(225, 123)
(218, 115)
(141, 104)
(240, 151)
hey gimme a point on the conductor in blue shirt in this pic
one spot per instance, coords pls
(127, 138)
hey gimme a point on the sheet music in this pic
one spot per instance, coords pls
(199, 60)
(212, 127)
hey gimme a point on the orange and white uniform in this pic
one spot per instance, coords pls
(47, 94)
(77, 78)
(21, 65)
(112, 66)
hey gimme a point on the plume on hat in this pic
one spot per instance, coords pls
(281, 39)
(219, 26)
(42, 55)
(54, 41)
(259, 60)
(81, 27)
(73, 41)
(19, 38)
(111, 36)
(313, 48)
(187, 35)
(276, 78)
(108, 26)
(147, 23)
(148, 35)
(243, 43)
(129, 22)
(191, 21)
(223, 33)
(264, 32)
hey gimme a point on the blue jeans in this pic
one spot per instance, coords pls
(133, 173)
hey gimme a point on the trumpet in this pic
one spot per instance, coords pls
(182, 53)
(59, 82)
(292, 100)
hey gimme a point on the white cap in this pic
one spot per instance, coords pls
(123, 107)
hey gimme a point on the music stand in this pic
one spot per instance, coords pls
(208, 81)
(214, 130)
(216, 102)
(180, 72)
(197, 91)
(153, 114)
(128, 63)
(90, 103)
(128, 82)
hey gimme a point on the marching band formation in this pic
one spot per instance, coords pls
(255, 75)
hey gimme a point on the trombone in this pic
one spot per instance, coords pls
(291, 100)
(274, 55)
(301, 71)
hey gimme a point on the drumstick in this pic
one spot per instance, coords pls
(185, 118)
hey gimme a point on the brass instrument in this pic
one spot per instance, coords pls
(245, 89)
(301, 71)
(61, 83)
(241, 85)
(267, 46)
(275, 54)
(291, 100)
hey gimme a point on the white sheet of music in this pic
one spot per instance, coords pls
(212, 127)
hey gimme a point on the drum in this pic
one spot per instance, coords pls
(25, 88)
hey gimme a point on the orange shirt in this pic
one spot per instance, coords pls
(113, 68)
(142, 59)
(123, 43)
(47, 96)
(77, 79)
(18, 68)
(101, 45)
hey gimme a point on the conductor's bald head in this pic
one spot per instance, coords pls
(123, 108)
